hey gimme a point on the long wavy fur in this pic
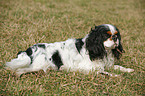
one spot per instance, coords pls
(94, 43)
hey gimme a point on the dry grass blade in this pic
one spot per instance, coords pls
(26, 22)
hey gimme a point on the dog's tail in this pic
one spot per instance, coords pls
(23, 60)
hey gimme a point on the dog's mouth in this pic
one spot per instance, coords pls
(119, 51)
(116, 47)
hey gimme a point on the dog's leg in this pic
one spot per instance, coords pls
(21, 71)
(106, 73)
(123, 69)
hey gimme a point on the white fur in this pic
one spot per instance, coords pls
(23, 60)
(71, 58)
(112, 29)
(117, 67)
(110, 43)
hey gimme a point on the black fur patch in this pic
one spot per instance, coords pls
(79, 43)
(94, 42)
(41, 45)
(35, 47)
(57, 59)
(29, 51)
(19, 52)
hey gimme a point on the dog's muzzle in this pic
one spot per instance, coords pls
(114, 38)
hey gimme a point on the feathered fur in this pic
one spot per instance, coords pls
(93, 52)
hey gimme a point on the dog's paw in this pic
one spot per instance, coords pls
(19, 72)
(129, 70)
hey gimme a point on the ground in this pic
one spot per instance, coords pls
(27, 22)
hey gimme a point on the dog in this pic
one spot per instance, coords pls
(93, 53)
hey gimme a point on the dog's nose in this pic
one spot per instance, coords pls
(114, 38)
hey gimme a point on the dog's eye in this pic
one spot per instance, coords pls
(106, 36)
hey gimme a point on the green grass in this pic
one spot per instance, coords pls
(27, 22)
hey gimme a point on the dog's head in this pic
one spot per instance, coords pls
(102, 39)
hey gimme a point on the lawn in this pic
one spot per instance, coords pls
(27, 22)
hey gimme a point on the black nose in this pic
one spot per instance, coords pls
(114, 38)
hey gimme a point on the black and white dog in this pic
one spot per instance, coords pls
(94, 52)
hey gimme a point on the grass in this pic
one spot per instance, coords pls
(26, 22)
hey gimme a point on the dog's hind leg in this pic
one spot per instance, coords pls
(106, 73)
(21, 71)
(123, 69)
(39, 63)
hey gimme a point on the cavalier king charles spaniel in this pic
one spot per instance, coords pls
(95, 52)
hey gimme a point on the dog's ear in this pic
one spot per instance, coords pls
(94, 44)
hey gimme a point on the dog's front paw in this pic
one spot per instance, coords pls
(129, 70)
